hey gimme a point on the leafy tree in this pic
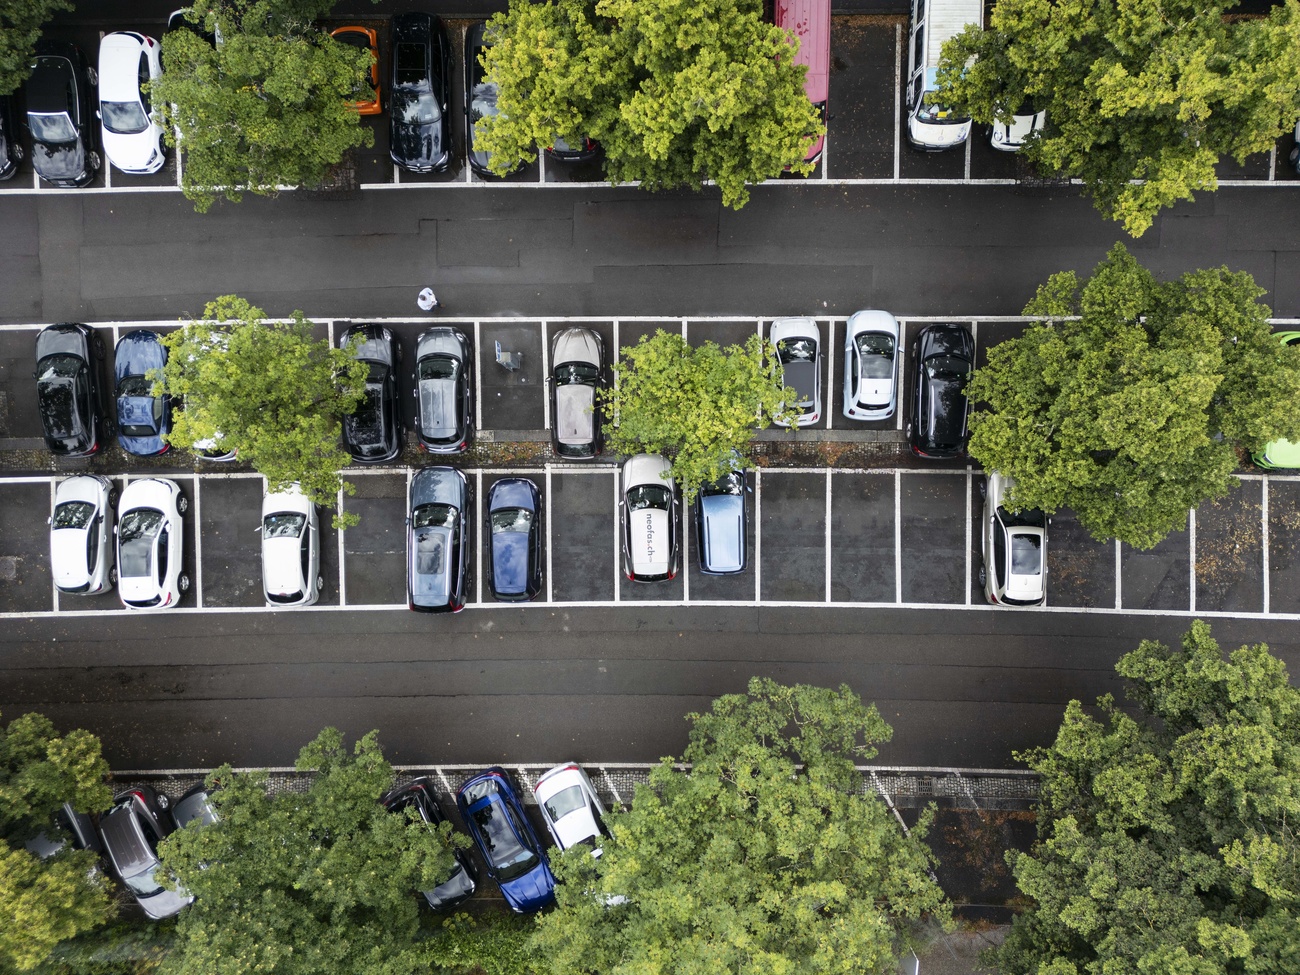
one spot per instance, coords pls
(766, 857)
(269, 390)
(1142, 99)
(678, 92)
(319, 882)
(1167, 841)
(20, 28)
(48, 901)
(697, 405)
(1133, 413)
(270, 107)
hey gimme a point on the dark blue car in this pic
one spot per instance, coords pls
(515, 859)
(514, 523)
(142, 418)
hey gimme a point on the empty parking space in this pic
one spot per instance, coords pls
(25, 582)
(230, 513)
(1080, 569)
(511, 393)
(864, 53)
(724, 334)
(933, 533)
(374, 551)
(581, 507)
(1284, 544)
(793, 526)
(1158, 578)
(1230, 551)
(862, 537)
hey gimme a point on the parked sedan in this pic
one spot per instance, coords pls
(438, 541)
(132, 137)
(60, 115)
(143, 419)
(721, 517)
(1013, 546)
(81, 531)
(944, 356)
(573, 812)
(577, 375)
(491, 809)
(480, 100)
(364, 39)
(419, 132)
(444, 391)
(150, 540)
(799, 353)
(373, 433)
(871, 366)
(11, 146)
(131, 832)
(651, 514)
(1280, 454)
(419, 795)
(67, 388)
(290, 549)
(515, 556)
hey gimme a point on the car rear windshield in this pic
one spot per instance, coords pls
(563, 803)
(285, 524)
(124, 118)
(946, 367)
(73, 514)
(511, 520)
(136, 534)
(1026, 554)
(649, 496)
(877, 352)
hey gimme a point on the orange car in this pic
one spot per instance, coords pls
(366, 39)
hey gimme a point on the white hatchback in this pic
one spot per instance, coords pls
(81, 528)
(1014, 547)
(871, 365)
(651, 514)
(571, 808)
(131, 134)
(150, 544)
(290, 549)
(799, 353)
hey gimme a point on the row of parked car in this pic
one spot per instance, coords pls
(129, 834)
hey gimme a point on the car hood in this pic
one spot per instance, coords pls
(165, 904)
(419, 145)
(280, 566)
(68, 548)
(650, 540)
(438, 408)
(576, 345)
(135, 151)
(532, 891)
(1282, 453)
(510, 562)
(61, 161)
(459, 886)
(438, 485)
(645, 469)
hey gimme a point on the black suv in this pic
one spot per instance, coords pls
(60, 116)
(67, 388)
(131, 832)
(419, 134)
(463, 879)
(944, 357)
(373, 432)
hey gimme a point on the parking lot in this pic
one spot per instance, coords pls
(865, 141)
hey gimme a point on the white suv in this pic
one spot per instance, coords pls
(1014, 547)
(651, 514)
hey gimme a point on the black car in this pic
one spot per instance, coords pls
(373, 433)
(463, 879)
(60, 115)
(67, 388)
(514, 516)
(419, 133)
(944, 357)
(582, 149)
(11, 148)
(480, 100)
(444, 391)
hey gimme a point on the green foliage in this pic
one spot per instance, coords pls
(697, 405)
(487, 944)
(125, 946)
(41, 770)
(1166, 841)
(268, 389)
(270, 108)
(766, 857)
(20, 29)
(46, 902)
(678, 92)
(1149, 92)
(317, 883)
(1132, 413)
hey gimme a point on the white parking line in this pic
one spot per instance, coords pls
(758, 534)
(54, 586)
(618, 525)
(826, 552)
(1263, 506)
(898, 537)
(1119, 566)
(898, 96)
(969, 139)
(685, 549)
(1191, 559)
(343, 582)
(198, 544)
(968, 533)
(550, 572)
(830, 374)
(546, 379)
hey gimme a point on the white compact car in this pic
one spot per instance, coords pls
(651, 514)
(81, 529)
(871, 365)
(1014, 547)
(150, 543)
(290, 549)
(571, 808)
(1011, 137)
(799, 351)
(132, 137)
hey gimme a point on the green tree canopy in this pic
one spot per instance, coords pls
(1133, 413)
(317, 882)
(678, 92)
(1142, 99)
(697, 405)
(20, 28)
(766, 857)
(270, 107)
(1167, 840)
(267, 389)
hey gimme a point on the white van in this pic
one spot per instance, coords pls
(934, 127)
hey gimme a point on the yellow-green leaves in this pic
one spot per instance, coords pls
(20, 28)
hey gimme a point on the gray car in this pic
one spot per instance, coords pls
(444, 393)
(438, 541)
(577, 374)
(131, 832)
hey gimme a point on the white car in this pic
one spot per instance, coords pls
(871, 366)
(81, 531)
(1010, 137)
(131, 134)
(799, 352)
(290, 549)
(1014, 547)
(571, 808)
(150, 543)
(651, 515)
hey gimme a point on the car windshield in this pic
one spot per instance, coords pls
(877, 354)
(434, 516)
(285, 524)
(52, 128)
(794, 350)
(563, 803)
(576, 372)
(73, 514)
(416, 108)
(511, 520)
(946, 367)
(438, 367)
(510, 857)
(484, 102)
(1026, 554)
(58, 367)
(124, 118)
(732, 483)
(134, 386)
(146, 884)
(938, 114)
(649, 496)
(136, 535)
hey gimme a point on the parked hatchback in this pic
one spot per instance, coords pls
(60, 114)
(81, 531)
(870, 365)
(1013, 546)
(721, 517)
(150, 544)
(444, 391)
(651, 514)
(944, 356)
(131, 832)
(573, 812)
(373, 432)
(419, 133)
(67, 388)
(438, 541)
(799, 355)
(480, 100)
(577, 376)
(290, 549)
(514, 515)
(515, 859)
(128, 62)
(143, 419)
(419, 796)
(1280, 454)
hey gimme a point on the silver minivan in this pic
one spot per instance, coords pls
(931, 125)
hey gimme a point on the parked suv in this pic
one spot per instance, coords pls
(944, 356)
(444, 391)
(131, 832)
(577, 374)
(721, 516)
(461, 883)
(373, 433)
(1014, 548)
(651, 514)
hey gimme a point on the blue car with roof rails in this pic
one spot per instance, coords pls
(515, 859)
(143, 419)
(514, 524)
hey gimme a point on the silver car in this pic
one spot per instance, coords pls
(871, 366)
(577, 376)
(444, 394)
(799, 352)
(81, 533)
(1014, 548)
